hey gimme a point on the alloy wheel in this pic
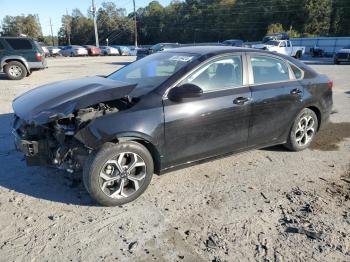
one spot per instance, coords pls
(122, 175)
(305, 130)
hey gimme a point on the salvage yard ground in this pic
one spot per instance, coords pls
(264, 205)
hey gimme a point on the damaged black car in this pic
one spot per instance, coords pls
(169, 110)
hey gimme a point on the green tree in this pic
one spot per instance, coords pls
(274, 28)
(21, 25)
(114, 25)
(318, 17)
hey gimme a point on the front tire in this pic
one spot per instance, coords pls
(303, 130)
(15, 70)
(118, 173)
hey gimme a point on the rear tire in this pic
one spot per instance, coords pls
(109, 177)
(15, 70)
(303, 130)
(298, 55)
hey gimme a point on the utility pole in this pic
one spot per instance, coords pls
(93, 9)
(135, 24)
(67, 30)
(53, 43)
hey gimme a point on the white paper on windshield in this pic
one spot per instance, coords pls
(181, 58)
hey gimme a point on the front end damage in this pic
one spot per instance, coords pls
(55, 143)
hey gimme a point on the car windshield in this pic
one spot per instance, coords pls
(276, 43)
(152, 70)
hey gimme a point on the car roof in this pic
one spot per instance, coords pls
(17, 37)
(217, 50)
(233, 40)
(210, 49)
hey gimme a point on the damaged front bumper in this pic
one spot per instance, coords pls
(30, 149)
(44, 146)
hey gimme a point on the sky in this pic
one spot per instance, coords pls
(54, 9)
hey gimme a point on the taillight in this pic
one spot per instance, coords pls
(38, 56)
(330, 84)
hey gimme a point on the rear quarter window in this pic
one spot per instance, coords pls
(1, 46)
(297, 72)
(19, 44)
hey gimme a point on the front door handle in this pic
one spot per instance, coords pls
(296, 91)
(241, 100)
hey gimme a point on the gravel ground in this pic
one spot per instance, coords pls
(262, 205)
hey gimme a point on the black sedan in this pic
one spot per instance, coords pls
(169, 110)
(342, 55)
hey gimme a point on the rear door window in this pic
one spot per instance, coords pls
(19, 44)
(269, 69)
(38, 46)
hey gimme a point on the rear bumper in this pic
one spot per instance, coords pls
(342, 57)
(327, 110)
(37, 65)
(325, 119)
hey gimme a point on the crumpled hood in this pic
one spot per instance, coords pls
(57, 100)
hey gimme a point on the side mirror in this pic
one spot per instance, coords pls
(184, 91)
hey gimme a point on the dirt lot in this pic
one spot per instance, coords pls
(263, 205)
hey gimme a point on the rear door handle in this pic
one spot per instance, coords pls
(296, 91)
(241, 100)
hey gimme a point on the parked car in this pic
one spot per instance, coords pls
(233, 42)
(108, 50)
(343, 55)
(133, 50)
(74, 50)
(93, 50)
(168, 110)
(45, 49)
(142, 52)
(54, 50)
(275, 36)
(284, 47)
(20, 56)
(123, 50)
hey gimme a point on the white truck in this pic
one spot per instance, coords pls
(284, 47)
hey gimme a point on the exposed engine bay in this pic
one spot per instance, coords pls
(54, 143)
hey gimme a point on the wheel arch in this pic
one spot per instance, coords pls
(19, 59)
(312, 107)
(317, 111)
(149, 146)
